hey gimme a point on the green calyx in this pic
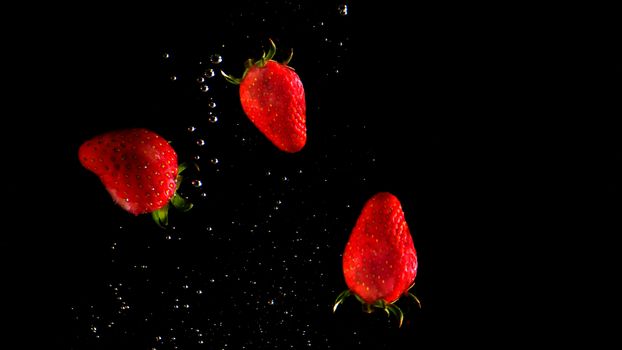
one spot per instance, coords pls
(180, 203)
(389, 308)
(249, 63)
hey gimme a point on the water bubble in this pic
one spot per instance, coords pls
(215, 58)
(343, 9)
(214, 161)
(212, 119)
(209, 73)
(211, 104)
(197, 183)
(200, 142)
(204, 88)
(200, 79)
(191, 128)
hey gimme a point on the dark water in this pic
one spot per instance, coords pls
(402, 101)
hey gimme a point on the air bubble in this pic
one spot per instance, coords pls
(209, 73)
(343, 9)
(173, 77)
(214, 161)
(200, 80)
(211, 104)
(191, 129)
(212, 119)
(196, 157)
(197, 183)
(166, 55)
(200, 142)
(204, 88)
(215, 58)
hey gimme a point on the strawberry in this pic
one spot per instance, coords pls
(380, 260)
(273, 98)
(138, 168)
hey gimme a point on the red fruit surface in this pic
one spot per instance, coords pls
(273, 98)
(380, 260)
(137, 166)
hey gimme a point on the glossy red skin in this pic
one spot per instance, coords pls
(273, 98)
(137, 166)
(380, 260)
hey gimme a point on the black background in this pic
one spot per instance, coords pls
(493, 126)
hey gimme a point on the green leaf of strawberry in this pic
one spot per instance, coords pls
(273, 98)
(138, 168)
(380, 260)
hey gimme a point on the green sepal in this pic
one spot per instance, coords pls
(289, 57)
(340, 298)
(396, 311)
(160, 216)
(416, 299)
(181, 203)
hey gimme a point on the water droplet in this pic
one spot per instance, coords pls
(191, 129)
(197, 183)
(214, 161)
(201, 142)
(209, 73)
(173, 77)
(343, 9)
(204, 88)
(212, 119)
(215, 58)
(200, 80)
(211, 104)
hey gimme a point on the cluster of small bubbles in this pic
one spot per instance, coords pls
(343, 9)
(215, 58)
(212, 119)
(191, 129)
(200, 142)
(204, 88)
(209, 73)
(197, 183)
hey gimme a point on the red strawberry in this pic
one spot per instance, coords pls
(380, 260)
(273, 98)
(138, 168)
